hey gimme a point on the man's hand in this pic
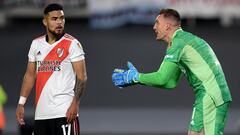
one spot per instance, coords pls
(72, 110)
(123, 78)
(20, 114)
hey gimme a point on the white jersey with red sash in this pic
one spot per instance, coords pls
(55, 75)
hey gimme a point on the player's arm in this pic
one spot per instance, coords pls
(27, 85)
(172, 83)
(81, 79)
(166, 77)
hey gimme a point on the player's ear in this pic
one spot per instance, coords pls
(44, 21)
(166, 27)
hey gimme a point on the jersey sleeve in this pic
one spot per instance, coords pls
(166, 77)
(31, 53)
(76, 51)
(174, 53)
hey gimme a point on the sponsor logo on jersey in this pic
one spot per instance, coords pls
(60, 52)
(48, 66)
(168, 56)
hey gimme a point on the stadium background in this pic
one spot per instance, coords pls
(113, 32)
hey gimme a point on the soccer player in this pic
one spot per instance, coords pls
(186, 53)
(56, 62)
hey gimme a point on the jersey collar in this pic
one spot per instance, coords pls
(174, 34)
(176, 31)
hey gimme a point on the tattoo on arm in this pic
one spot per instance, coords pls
(79, 88)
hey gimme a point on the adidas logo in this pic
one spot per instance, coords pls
(39, 53)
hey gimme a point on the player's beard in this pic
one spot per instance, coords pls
(54, 33)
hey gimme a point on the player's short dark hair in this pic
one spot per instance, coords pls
(171, 13)
(52, 7)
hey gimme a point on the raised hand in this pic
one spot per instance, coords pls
(123, 78)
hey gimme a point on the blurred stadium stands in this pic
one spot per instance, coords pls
(113, 13)
(10, 9)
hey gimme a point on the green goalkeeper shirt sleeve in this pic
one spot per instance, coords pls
(166, 77)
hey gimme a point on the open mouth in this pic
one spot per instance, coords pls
(59, 28)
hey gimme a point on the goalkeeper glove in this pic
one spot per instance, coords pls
(123, 78)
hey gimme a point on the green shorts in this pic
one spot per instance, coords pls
(209, 117)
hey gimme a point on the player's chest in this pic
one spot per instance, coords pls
(50, 52)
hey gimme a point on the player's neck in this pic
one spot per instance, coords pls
(51, 38)
(170, 35)
(168, 38)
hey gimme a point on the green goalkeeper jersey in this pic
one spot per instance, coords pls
(198, 62)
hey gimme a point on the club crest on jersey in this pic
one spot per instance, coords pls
(60, 52)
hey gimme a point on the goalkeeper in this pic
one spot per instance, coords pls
(192, 56)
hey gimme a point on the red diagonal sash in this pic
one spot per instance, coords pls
(53, 55)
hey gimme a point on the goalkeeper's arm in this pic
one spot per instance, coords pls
(166, 77)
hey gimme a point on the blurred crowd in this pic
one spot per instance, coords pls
(41, 3)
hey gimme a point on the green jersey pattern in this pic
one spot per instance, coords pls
(198, 62)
